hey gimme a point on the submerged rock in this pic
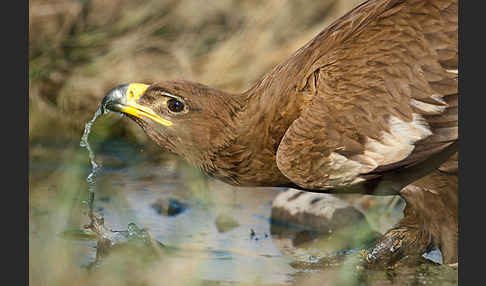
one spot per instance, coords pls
(168, 206)
(304, 217)
(225, 223)
(319, 212)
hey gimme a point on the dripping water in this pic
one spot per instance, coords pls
(95, 167)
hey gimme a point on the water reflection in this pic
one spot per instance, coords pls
(127, 187)
(234, 255)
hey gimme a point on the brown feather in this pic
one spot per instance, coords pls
(367, 106)
(392, 60)
(373, 92)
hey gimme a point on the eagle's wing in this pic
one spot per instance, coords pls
(383, 80)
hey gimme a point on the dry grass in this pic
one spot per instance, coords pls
(80, 49)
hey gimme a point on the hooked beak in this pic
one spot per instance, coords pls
(123, 98)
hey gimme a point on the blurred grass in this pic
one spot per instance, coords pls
(80, 49)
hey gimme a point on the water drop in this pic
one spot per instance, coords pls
(95, 167)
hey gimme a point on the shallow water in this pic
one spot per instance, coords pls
(124, 194)
(130, 182)
(234, 255)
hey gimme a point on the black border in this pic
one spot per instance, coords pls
(16, 139)
(471, 203)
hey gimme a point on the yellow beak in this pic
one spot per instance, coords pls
(128, 102)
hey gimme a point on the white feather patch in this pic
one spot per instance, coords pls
(341, 168)
(392, 147)
(397, 144)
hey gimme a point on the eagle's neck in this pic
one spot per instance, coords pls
(245, 152)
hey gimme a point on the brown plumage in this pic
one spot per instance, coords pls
(367, 106)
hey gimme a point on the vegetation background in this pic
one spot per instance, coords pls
(79, 49)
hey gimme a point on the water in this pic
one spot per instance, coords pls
(126, 190)
(95, 167)
(231, 256)
(192, 232)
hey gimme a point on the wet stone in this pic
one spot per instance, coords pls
(318, 212)
(225, 223)
(321, 221)
(169, 206)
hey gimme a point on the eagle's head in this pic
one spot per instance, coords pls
(186, 118)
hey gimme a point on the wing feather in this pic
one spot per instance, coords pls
(384, 90)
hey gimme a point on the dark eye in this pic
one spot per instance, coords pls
(175, 105)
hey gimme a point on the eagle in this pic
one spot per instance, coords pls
(368, 106)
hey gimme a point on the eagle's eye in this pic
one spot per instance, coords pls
(175, 105)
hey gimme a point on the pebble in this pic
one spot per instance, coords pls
(168, 206)
(225, 223)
